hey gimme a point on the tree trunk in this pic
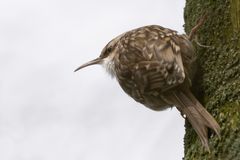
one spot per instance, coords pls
(217, 82)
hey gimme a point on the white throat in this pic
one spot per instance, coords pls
(109, 66)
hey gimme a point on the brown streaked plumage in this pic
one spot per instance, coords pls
(154, 66)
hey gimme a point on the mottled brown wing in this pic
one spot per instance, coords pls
(163, 68)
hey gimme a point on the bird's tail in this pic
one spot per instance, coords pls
(197, 115)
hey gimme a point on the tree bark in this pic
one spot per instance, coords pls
(217, 81)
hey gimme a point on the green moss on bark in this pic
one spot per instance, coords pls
(217, 83)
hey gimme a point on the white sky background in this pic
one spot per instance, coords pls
(47, 112)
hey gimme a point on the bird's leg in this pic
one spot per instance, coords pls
(199, 44)
(196, 27)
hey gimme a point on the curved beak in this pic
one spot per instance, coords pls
(92, 62)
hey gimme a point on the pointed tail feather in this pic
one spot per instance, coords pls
(197, 115)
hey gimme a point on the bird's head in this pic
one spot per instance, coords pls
(106, 58)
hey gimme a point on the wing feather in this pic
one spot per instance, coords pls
(164, 71)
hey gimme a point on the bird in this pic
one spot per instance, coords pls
(155, 66)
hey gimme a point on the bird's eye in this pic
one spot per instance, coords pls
(106, 52)
(109, 49)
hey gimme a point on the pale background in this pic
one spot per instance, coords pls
(47, 112)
